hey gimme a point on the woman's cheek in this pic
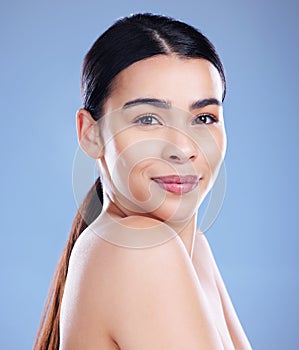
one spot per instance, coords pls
(212, 147)
(131, 164)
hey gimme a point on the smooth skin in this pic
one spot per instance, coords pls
(163, 118)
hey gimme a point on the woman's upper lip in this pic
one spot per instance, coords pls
(177, 179)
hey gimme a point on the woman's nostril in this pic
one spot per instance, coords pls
(181, 157)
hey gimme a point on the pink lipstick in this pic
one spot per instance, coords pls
(177, 184)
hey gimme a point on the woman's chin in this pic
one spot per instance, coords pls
(160, 204)
(178, 209)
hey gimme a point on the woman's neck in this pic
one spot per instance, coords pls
(186, 231)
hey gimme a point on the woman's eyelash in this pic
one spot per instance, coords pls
(151, 119)
(204, 118)
(147, 119)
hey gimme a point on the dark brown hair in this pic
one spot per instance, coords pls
(129, 40)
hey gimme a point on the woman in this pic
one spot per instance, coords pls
(152, 118)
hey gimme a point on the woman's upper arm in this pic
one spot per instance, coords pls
(158, 302)
(85, 300)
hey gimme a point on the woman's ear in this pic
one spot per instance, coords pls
(88, 134)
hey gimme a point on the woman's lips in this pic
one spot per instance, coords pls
(177, 184)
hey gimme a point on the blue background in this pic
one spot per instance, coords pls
(254, 239)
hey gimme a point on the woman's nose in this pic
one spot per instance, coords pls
(179, 148)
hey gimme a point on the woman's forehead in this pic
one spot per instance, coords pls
(168, 78)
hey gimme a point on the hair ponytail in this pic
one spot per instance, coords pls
(48, 333)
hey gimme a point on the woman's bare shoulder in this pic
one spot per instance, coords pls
(147, 297)
(155, 297)
(111, 247)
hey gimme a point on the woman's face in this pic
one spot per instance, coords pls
(163, 136)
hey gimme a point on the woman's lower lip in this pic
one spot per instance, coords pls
(177, 188)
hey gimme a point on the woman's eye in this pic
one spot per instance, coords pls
(204, 119)
(147, 120)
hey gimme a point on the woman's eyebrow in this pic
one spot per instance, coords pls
(149, 101)
(167, 104)
(205, 102)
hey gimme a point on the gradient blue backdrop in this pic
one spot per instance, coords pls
(255, 238)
